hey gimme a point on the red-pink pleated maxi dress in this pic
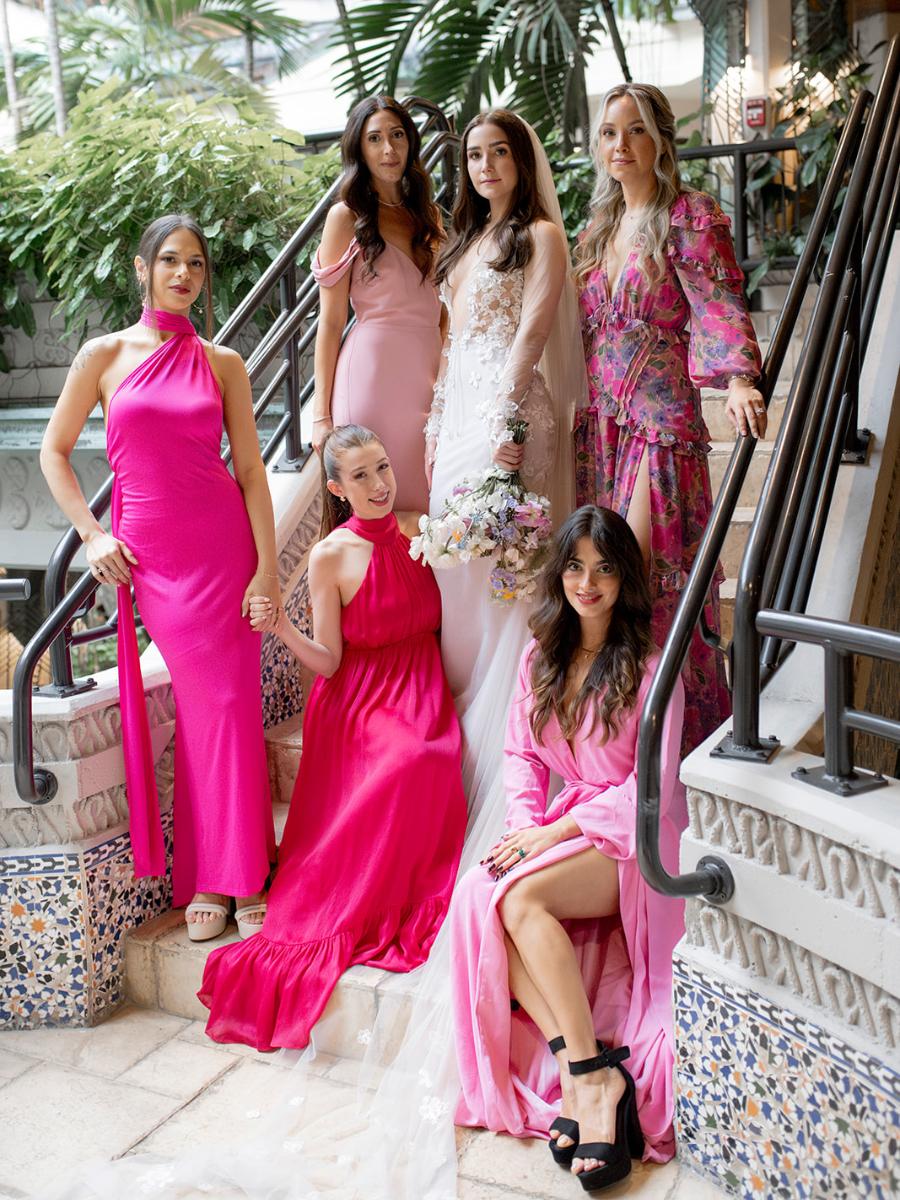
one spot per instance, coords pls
(377, 819)
(509, 1078)
(183, 516)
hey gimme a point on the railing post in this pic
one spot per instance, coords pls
(838, 688)
(740, 211)
(856, 441)
(293, 445)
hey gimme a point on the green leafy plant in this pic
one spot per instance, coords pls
(177, 47)
(72, 209)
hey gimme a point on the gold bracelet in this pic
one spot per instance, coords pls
(268, 574)
(752, 380)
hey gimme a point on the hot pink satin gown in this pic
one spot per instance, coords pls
(372, 843)
(385, 373)
(183, 516)
(509, 1078)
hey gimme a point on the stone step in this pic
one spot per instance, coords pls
(719, 425)
(719, 456)
(164, 969)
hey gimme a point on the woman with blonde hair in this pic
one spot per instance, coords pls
(663, 314)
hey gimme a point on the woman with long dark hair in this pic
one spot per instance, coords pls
(377, 252)
(513, 354)
(195, 543)
(663, 313)
(558, 917)
(372, 842)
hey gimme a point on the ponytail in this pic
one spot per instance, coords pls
(343, 437)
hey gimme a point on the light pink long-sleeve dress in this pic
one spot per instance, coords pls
(509, 1079)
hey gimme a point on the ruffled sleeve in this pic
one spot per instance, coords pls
(525, 773)
(722, 339)
(329, 276)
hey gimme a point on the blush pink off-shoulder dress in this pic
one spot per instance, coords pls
(176, 507)
(385, 373)
(509, 1078)
(373, 839)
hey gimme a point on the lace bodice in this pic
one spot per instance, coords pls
(493, 305)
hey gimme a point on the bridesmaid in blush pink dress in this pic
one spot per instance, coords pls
(558, 917)
(377, 250)
(373, 839)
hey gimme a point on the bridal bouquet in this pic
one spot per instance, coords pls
(492, 516)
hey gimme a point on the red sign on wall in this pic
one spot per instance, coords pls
(755, 112)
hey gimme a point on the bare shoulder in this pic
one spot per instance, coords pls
(548, 236)
(98, 353)
(408, 522)
(223, 359)
(327, 555)
(340, 219)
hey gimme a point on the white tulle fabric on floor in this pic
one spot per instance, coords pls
(394, 1139)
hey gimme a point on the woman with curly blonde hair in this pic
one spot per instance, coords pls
(663, 314)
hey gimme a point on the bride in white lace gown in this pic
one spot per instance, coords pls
(503, 278)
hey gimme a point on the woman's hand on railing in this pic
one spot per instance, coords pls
(322, 426)
(746, 408)
(264, 589)
(108, 558)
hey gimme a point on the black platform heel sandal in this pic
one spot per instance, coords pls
(564, 1126)
(629, 1141)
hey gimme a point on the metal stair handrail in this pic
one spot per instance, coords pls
(825, 388)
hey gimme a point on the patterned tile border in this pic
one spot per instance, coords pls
(771, 1105)
(63, 919)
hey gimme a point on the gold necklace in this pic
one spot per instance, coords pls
(389, 204)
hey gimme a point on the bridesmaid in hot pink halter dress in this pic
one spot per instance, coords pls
(376, 252)
(373, 839)
(194, 543)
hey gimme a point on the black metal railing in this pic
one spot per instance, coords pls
(817, 432)
(840, 641)
(288, 338)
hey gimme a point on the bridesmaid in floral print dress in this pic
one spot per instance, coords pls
(663, 314)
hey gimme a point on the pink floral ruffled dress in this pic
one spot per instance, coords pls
(649, 347)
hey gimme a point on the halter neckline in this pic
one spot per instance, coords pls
(378, 530)
(166, 322)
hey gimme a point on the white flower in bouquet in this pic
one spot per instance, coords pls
(492, 516)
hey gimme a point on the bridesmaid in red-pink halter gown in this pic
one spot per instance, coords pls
(183, 516)
(372, 843)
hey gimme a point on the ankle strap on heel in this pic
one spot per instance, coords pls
(607, 1058)
(556, 1044)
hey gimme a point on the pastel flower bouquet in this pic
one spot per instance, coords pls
(494, 516)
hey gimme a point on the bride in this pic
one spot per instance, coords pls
(512, 353)
(514, 350)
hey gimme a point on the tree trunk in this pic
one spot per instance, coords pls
(248, 53)
(616, 38)
(9, 68)
(351, 50)
(56, 79)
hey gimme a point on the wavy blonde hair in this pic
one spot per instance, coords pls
(607, 202)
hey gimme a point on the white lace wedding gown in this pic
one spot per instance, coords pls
(490, 374)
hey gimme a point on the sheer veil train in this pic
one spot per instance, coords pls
(394, 1137)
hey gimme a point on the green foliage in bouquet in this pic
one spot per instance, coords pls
(72, 209)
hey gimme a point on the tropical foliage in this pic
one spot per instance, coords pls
(463, 53)
(178, 47)
(72, 209)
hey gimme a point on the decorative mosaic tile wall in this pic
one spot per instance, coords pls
(771, 1105)
(63, 919)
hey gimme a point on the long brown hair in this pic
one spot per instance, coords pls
(148, 250)
(607, 202)
(612, 683)
(362, 199)
(471, 212)
(340, 439)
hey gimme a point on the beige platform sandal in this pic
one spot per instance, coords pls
(205, 931)
(248, 928)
